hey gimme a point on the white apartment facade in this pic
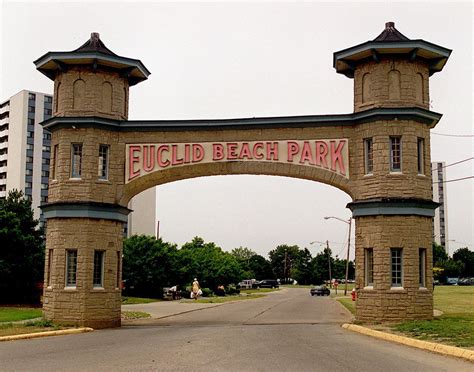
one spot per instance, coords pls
(25, 148)
(440, 221)
(25, 151)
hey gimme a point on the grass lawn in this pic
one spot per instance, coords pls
(134, 315)
(137, 300)
(455, 326)
(257, 290)
(12, 314)
(8, 329)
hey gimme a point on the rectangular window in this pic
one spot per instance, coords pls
(98, 280)
(397, 266)
(48, 111)
(103, 171)
(76, 160)
(31, 108)
(369, 267)
(118, 271)
(29, 172)
(50, 262)
(30, 134)
(31, 121)
(44, 173)
(422, 267)
(71, 267)
(31, 96)
(46, 136)
(44, 199)
(421, 155)
(46, 148)
(395, 154)
(48, 99)
(55, 160)
(44, 186)
(369, 156)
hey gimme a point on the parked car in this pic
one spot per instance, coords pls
(466, 281)
(320, 290)
(451, 281)
(246, 284)
(268, 283)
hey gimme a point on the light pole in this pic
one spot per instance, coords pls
(329, 260)
(349, 222)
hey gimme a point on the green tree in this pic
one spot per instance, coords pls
(21, 250)
(439, 254)
(282, 259)
(208, 263)
(466, 257)
(303, 270)
(148, 265)
(320, 266)
(260, 268)
(243, 254)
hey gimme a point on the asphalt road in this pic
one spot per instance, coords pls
(285, 331)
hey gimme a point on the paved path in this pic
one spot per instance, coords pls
(285, 331)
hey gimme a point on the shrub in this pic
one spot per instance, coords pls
(231, 290)
(206, 292)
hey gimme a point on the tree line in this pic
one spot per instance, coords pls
(151, 264)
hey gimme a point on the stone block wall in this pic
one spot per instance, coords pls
(391, 82)
(382, 302)
(82, 91)
(83, 305)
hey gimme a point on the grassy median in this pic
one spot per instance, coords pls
(455, 326)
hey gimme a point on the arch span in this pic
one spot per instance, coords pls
(233, 168)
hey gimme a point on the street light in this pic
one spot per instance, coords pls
(329, 260)
(349, 222)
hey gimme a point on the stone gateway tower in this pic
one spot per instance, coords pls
(379, 155)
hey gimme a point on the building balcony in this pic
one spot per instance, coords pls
(4, 121)
(3, 157)
(3, 145)
(3, 181)
(3, 169)
(4, 133)
(4, 109)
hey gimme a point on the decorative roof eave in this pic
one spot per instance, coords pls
(51, 62)
(405, 113)
(344, 61)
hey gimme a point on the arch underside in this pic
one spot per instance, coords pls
(233, 168)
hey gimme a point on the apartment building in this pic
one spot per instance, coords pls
(440, 221)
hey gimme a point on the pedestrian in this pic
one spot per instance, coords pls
(196, 289)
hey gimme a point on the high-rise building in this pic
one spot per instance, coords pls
(25, 147)
(440, 221)
(25, 150)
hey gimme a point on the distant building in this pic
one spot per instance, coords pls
(143, 218)
(440, 221)
(25, 148)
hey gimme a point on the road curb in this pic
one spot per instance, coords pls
(46, 334)
(425, 345)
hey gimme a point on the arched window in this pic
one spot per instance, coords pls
(394, 85)
(366, 88)
(107, 97)
(79, 88)
(419, 91)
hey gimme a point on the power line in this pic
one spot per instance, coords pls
(456, 179)
(453, 135)
(458, 162)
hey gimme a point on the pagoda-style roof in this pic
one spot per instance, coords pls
(391, 42)
(94, 53)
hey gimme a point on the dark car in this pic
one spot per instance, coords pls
(268, 283)
(321, 290)
(466, 281)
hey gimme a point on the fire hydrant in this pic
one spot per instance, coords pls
(353, 294)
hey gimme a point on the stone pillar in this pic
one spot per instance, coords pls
(84, 219)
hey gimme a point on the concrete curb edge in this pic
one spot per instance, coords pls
(46, 334)
(420, 344)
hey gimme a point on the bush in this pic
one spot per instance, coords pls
(231, 290)
(206, 292)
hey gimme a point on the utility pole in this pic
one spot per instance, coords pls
(329, 262)
(347, 259)
(284, 272)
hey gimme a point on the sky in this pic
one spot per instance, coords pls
(240, 59)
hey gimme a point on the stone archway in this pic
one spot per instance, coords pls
(101, 160)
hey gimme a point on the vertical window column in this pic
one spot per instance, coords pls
(76, 160)
(395, 154)
(368, 156)
(422, 267)
(421, 155)
(103, 170)
(71, 267)
(98, 277)
(369, 267)
(55, 162)
(396, 267)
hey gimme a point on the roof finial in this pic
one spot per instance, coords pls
(390, 25)
(95, 36)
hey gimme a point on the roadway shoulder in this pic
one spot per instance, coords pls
(46, 334)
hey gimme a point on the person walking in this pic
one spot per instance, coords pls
(196, 289)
